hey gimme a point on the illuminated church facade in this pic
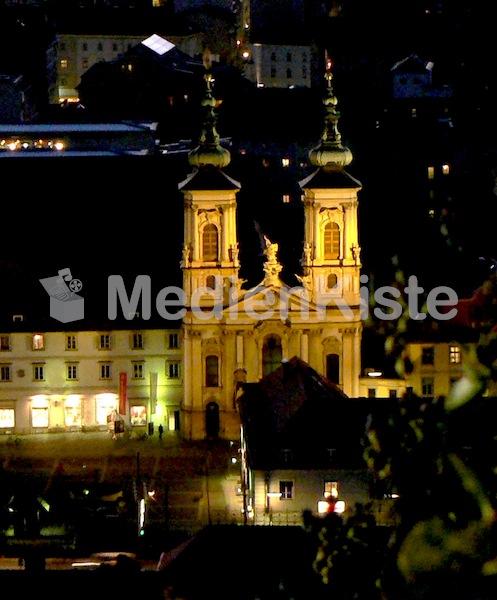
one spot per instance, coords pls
(231, 334)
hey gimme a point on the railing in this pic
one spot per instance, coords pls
(286, 519)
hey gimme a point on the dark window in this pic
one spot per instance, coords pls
(271, 354)
(332, 281)
(428, 355)
(286, 490)
(427, 386)
(212, 371)
(333, 368)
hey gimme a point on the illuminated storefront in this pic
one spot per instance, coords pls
(39, 412)
(105, 406)
(138, 415)
(7, 418)
(72, 411)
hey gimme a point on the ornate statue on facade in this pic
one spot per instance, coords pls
(186, 256)
(272, 267)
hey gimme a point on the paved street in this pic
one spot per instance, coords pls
(186, 485)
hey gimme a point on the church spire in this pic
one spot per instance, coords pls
(209, 152)
(329, 153)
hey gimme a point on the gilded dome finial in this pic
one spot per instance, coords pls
(209, 152)
(329, 152)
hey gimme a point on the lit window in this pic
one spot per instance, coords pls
(105, 371)
(431, 172)
(64, 63)
(71, 372)
(331, 241)
(414, 113)
(7, 418)
(4, 342)
(72, 412)
(5, 373)
(138, 370)
(71, 342)
(38, 342)
(285, 162)
(445, 169)
(209, 243)
(286, 490)
(39, 372)
(39, 412)
(138, 415)
(454, 355)
(286, 198)
(330, 489)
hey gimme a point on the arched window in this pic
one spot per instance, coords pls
(271, 354)
(331, 241)
(212, 371)
(333, 368)
(211, 282)
(209, 243)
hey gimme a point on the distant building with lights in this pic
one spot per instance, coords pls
(77, 139)
(70, 56)
(278, 66)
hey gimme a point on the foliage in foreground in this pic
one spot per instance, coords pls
(438, 455)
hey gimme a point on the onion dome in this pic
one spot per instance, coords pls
(209, 153)
(329, 152)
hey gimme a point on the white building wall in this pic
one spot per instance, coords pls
(275, 66)
(54, 394)
(308, 488)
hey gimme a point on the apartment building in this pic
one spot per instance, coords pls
(101, 380)
(70, 56)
